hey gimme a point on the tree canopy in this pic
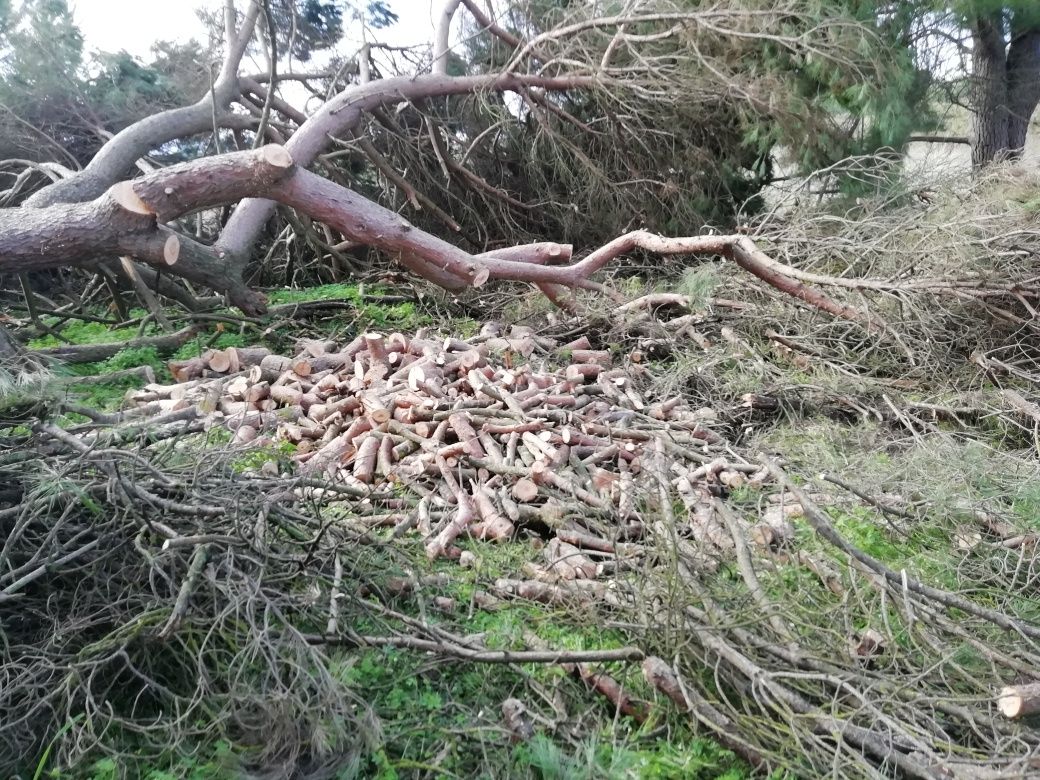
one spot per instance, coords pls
(690, 112)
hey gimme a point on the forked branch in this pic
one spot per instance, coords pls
(128, 220)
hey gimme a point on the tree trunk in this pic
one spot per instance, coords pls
(989, 141)
(1005, 88)
(1023, 66)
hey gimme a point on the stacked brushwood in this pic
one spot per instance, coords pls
(821, 654)
(470, 437)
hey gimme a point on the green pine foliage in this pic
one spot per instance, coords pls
(829, 79)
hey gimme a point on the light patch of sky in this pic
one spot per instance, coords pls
(133, 25)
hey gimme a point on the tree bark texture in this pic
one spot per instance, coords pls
(1005, 87)
(989, 90)
(127, 220)
(1023, 65)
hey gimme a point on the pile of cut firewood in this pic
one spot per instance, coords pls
(477, 437)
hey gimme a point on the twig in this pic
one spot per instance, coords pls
(180, 606)
(901, 580)
(480, 655)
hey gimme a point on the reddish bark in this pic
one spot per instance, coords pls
(125, 220)
(344, 112)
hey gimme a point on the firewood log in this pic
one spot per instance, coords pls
(1017, 701)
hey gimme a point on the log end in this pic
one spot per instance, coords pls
(525, 490)
(218, 360)
(178, 370)
(276, 156)
(1010, 702)
(123, 193)
(172, 250)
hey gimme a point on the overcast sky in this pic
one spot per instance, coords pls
(134, 25)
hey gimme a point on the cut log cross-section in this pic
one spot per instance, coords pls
(1018, 701)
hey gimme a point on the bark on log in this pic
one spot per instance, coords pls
(123, 221)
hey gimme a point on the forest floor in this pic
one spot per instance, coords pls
(423, 716)
(921, 478)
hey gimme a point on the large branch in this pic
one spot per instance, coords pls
(345, 111)
(441, 38)
(127, 220)
(221, 266)
(118, 156)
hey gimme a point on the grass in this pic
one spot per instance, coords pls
(445, 717)
(424, 716)
(77, 332)
(949, 476)
(109, 395)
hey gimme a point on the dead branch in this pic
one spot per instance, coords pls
(125, 218)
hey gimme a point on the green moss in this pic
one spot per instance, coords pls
(924, 549)
(864, 532)
(400, 316)
(87, 333)
(132, 357)
(464, 327)
(325, 292)
(1031, 206)
(189, 350)
(106, 396)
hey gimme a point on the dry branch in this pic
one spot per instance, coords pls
(127, 220)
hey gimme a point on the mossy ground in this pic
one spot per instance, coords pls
(426, 717)
(365, 312)
(433, 717)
